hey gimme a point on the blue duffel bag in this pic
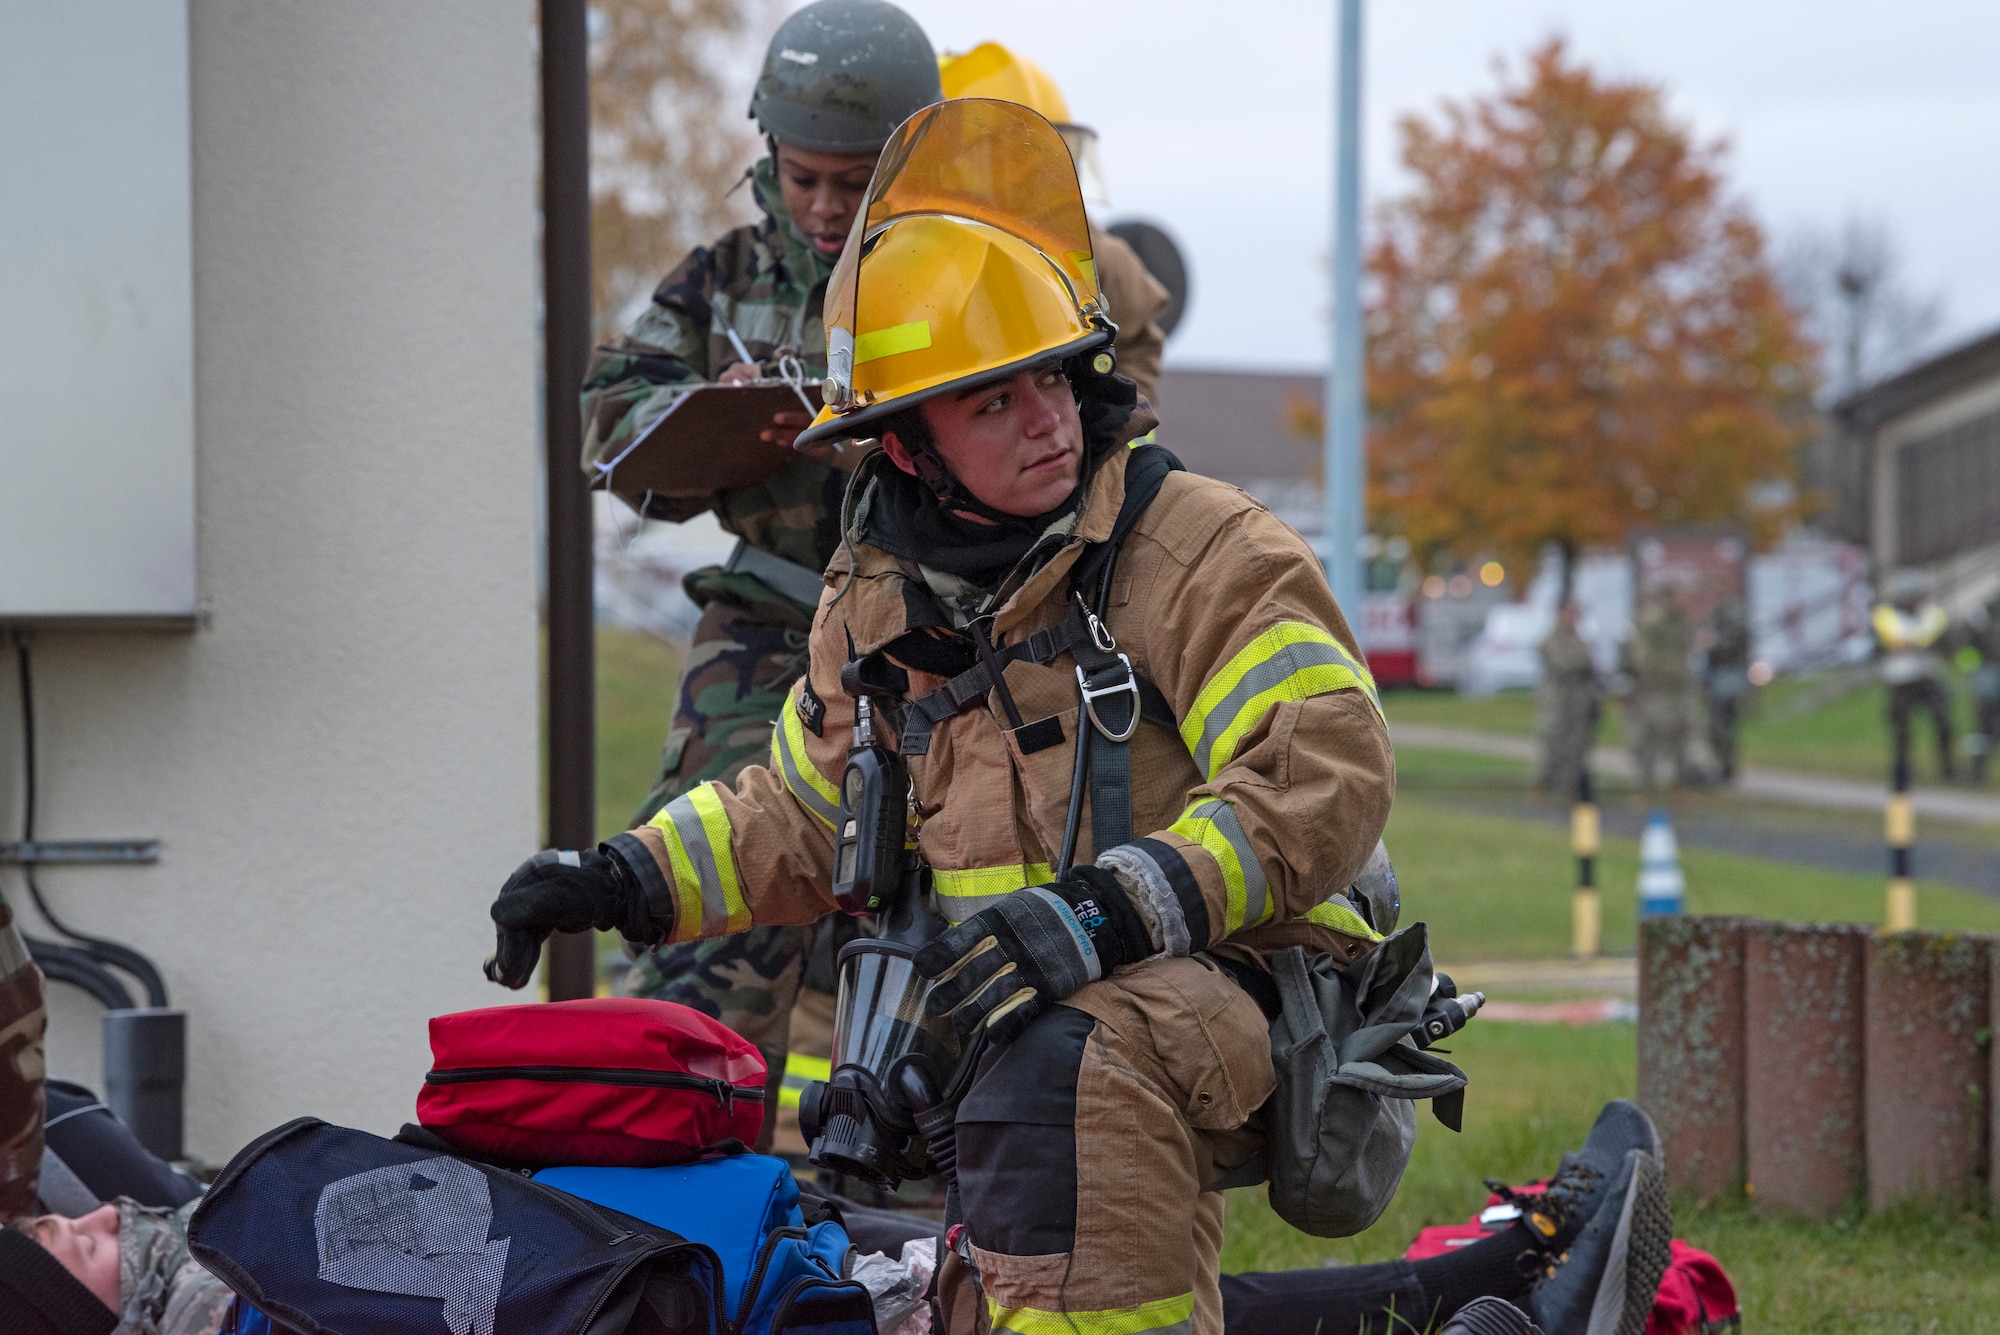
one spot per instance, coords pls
(780, 1277)
(336, 1232)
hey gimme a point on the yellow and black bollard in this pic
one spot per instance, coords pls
(1899, 824)
(1585, 915)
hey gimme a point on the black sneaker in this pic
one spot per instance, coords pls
(1559, 1213)
(1604, 1282)
(1490, 1316)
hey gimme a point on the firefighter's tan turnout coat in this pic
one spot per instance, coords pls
(1250, 820)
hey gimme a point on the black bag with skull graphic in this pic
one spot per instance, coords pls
(331, 1231)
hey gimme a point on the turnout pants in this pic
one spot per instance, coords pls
(1089, 1149)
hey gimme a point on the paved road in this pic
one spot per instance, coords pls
(1769, 785)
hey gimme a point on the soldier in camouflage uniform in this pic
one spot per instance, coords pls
(1980, 656)
(1658, 709)
(1566, 706)
(1726, 679)
(23, 1018)
(766, 283)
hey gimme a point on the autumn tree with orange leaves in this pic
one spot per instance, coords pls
(669, 136)
(1573, 331)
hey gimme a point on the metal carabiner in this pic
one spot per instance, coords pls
(1091, 694)
(1100, 634)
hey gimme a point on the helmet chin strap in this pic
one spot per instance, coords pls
(951, 493)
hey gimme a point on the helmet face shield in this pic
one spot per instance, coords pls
(972, 256)
(1082, 141)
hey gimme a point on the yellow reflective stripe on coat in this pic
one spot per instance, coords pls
(1163, 1315)
(800, 1071)
(1291, 661)
(965, 892)
(1212, 824)
(1340, 914)
(792, 764)
(708, 898)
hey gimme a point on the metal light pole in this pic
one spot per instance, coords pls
(1340, 548)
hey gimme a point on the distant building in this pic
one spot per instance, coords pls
(1253, 429)
(1923, 470)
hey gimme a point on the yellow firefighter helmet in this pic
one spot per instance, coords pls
(992, 70)
(971, 261)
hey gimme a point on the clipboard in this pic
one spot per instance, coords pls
(706, 442)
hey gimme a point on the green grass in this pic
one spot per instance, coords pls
(1509, 711)
(1533, 1093)
(636, 679)
(1497, 888)
(1790, 725)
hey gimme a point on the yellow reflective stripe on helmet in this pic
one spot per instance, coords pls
(888, 342)
(1339, 913)
(1291, 661)
(801, 777)
(1212, 824)
(708, 898)
(800, 1071)
(1166, 1316)
(965, 892)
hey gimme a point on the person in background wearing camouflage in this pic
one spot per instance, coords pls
(838, 77)
(1727, 681)
(23, 1019)
(1654, 661)
(1980, 657)
(1566, 707)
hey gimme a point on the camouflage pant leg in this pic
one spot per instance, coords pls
(1658, 724)
(734, 686)
(23, 1020)
(1567, 735)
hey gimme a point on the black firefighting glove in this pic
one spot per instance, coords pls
(561, 891)
(1007, 964)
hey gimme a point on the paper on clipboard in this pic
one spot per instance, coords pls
(707, 441)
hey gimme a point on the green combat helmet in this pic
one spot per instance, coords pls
(840, 75)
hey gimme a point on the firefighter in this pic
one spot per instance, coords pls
(1125, 986)
(1908, 627)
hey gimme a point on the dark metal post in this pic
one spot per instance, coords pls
(571, 676)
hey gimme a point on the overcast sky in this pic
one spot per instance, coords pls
(1215, 121)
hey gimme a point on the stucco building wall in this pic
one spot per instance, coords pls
(340, 762)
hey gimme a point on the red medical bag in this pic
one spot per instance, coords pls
(611, 1082)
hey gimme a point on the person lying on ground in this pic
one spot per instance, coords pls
(123, 1267)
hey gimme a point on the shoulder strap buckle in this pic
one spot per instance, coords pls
(1094, 689)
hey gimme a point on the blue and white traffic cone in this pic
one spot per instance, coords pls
(1661, 885)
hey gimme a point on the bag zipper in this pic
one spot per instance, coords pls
(756, 1280)
(725, 1093)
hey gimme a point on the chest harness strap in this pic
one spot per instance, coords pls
(1115, 698)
